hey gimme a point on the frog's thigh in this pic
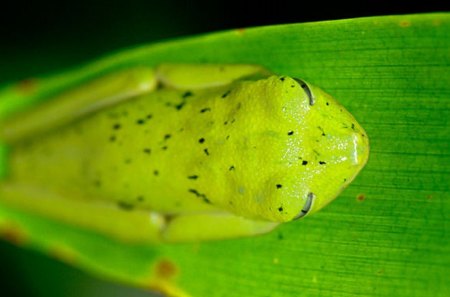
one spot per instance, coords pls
(79, 101)
(212, 226)
(122, 223)
(198, 76)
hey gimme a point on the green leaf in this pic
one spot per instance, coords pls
(386, 235)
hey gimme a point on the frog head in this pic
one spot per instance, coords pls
(335, 149)
(298, 150)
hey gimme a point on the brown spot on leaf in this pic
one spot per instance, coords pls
(165, 269)
(240, 31)
(27, 86)
(405, 23)
(13, 233)
(361, 197)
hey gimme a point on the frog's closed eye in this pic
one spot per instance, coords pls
(307, 207)
(307, 90)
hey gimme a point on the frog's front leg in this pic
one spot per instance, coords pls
(191, 77)
(212, 226)
(117, 221)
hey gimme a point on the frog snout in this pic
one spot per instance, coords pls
(361, 147)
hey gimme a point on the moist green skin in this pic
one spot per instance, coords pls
(228, 152)
(253, 148)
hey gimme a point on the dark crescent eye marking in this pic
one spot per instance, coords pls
(307, 207)
(307, 90)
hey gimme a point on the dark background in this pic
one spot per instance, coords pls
(42, 36)
(45, 36)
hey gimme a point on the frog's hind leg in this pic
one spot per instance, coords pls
(78, 102)
(113, 220)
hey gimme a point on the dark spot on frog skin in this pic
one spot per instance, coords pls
(201, 140)
(193, 177)
(155, 172)
(140, 121)
(147, 150)
(231, 168)
(206, 151)
(164, 148)
(125, 205)
(321, 129)
(282, 78)
(180, 105)
(112, 138)
(200, 195)
(279, 186)
(187, 94)
(149, 116)
(280, 209)
(205, 110)
(304, 162)
(224, 95)
(290, 133)
(167, 136)
(322, 162)
(116, 126)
